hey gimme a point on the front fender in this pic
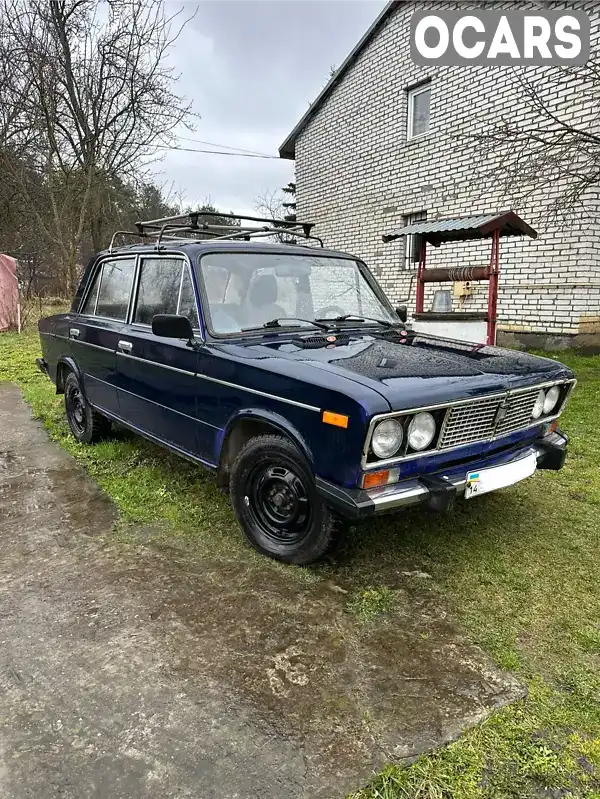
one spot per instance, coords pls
(273, 419)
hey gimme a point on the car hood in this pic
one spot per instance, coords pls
(413, 369)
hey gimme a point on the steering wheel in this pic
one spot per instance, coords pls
(329, 311)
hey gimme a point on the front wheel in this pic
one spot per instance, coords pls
(86, 424)
(276, 502)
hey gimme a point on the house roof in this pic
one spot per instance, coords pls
(288, 148)
(438, 231)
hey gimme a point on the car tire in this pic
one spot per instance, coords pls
(276, 502)
(86, 424)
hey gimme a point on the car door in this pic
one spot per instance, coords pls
(157, 376)
(94, 332)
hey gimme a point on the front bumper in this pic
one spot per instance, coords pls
(437, 491)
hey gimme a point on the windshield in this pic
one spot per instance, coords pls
(247, 290)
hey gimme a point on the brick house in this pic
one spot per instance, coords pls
(388, 142)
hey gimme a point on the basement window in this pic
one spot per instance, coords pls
(418, 110)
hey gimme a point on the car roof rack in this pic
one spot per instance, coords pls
(189, 226)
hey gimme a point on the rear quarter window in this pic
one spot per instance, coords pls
(89, 306)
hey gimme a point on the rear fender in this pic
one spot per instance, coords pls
(64, 365)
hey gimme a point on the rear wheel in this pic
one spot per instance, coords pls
(276, 502)
(87, 425)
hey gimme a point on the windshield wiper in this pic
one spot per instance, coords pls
(354, 317)
(277, 323)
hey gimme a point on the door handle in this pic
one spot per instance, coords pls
(74, 332)
(125, 346)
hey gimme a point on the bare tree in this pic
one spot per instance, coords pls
(93, 104)
(270, 204)
(552, 148)
(273, 205)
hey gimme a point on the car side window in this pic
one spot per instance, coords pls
(187, 299)
(89, 307)
(158, 292)
(115, 288)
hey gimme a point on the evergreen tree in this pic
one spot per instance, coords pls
(290, 206)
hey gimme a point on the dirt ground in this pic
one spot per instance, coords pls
(136, 672)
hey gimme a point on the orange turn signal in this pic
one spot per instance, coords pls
(383, 477)
(336, 419)
(373, 479)
(552, 426)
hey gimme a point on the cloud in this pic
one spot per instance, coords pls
(251, 67)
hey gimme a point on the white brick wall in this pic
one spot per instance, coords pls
(357, 176)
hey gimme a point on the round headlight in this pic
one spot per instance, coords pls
(552, 396)
(421, 431)
(387, 438)
(538, 408)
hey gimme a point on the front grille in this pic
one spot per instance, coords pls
(468, 423)
(484, 419)
(518, 411)
(477, 420)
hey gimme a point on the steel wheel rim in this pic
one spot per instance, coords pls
(278, 501)
(76, 409)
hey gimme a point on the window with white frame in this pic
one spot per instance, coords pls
(412, 246)
(418, 110)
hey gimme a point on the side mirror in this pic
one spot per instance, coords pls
(402, 312)
(172, 326)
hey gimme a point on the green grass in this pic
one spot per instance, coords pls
(369, 603)
(149, 486)
(519, 570)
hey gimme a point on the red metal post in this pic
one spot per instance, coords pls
(420, 282)
(493, 288)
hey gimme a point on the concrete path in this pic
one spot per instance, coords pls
(139, 673)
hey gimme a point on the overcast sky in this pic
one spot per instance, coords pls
(251, 68)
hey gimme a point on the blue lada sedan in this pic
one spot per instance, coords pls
(284, 369)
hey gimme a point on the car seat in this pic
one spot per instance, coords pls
(262, 297)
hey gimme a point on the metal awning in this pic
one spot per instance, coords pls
(438, 231)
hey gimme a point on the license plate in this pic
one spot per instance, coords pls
(485, 480)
